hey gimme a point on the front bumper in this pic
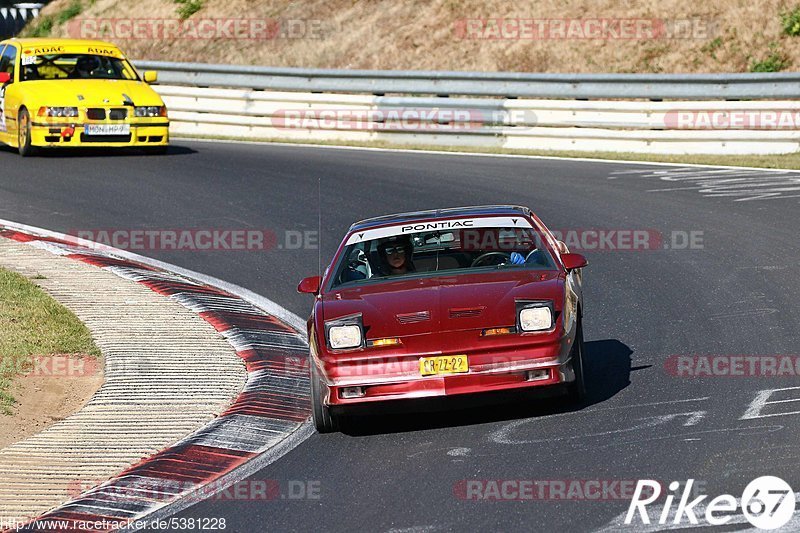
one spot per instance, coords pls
(500, 371)
(65, 135)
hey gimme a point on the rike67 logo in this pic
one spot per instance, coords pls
(767, 503)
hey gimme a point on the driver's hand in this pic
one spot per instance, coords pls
(517, 258)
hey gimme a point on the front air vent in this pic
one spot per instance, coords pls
(466, 312)
(411, 318)
(118, 113)
(96, 113)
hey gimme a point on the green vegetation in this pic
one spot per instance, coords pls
(774, 62)
(33, 324)
(42, 27)
(72, 11)
(187, 8)
(712, 46)
(790, 20)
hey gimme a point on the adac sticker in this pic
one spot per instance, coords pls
(44, 50)
(98, 50)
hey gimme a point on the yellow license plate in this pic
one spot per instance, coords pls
(445, 364)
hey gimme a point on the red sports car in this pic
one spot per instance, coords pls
(445, 302)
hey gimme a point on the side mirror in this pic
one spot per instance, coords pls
(5, 77)
(310, 285)
(150, 76)
(573, 261)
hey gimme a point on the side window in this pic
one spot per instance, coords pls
(9, 60)
(10, 54)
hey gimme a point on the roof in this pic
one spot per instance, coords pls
(476, 210)
(60, 41)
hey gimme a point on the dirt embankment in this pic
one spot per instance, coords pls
(493, 35)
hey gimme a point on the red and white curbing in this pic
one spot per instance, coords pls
(265, 421)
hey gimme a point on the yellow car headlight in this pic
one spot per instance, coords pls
(150, 111)
(58, 111)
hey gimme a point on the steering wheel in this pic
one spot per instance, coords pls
(357, 264)
(483, 258)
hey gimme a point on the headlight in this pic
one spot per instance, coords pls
(341, 337)
(150, 111)
(535, 317)
(58, 111)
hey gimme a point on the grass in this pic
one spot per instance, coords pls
(782, 161)
(33, 324)
(187, 8)
(790, 20)
(712, 47)
(44, 24)
(71, 11)
(42, 28)
(775, 61)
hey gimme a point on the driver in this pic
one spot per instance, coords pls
(394, 255)
(85, 67)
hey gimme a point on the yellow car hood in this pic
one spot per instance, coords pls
(90, 93)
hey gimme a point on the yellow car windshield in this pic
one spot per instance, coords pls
(76, 67)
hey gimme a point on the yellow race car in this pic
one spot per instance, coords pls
(74, 92)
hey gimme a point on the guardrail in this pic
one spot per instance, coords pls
(511, 85)
(257, 102)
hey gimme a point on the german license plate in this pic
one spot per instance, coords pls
(445, 364)
(107, 129)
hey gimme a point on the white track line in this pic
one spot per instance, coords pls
(476, 154)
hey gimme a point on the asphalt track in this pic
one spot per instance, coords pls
(737, 294)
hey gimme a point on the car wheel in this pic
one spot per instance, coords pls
(24, 134)
(577, 389)
(324, 420)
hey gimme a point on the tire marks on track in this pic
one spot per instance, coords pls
(740, 185)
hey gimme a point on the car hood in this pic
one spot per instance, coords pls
(90, 93)
(439, 304)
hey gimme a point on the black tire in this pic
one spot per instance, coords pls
(324, 420)
(577, 389)
(24, 134)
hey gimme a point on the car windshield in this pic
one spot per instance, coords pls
(75, 67)
(431, 253)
